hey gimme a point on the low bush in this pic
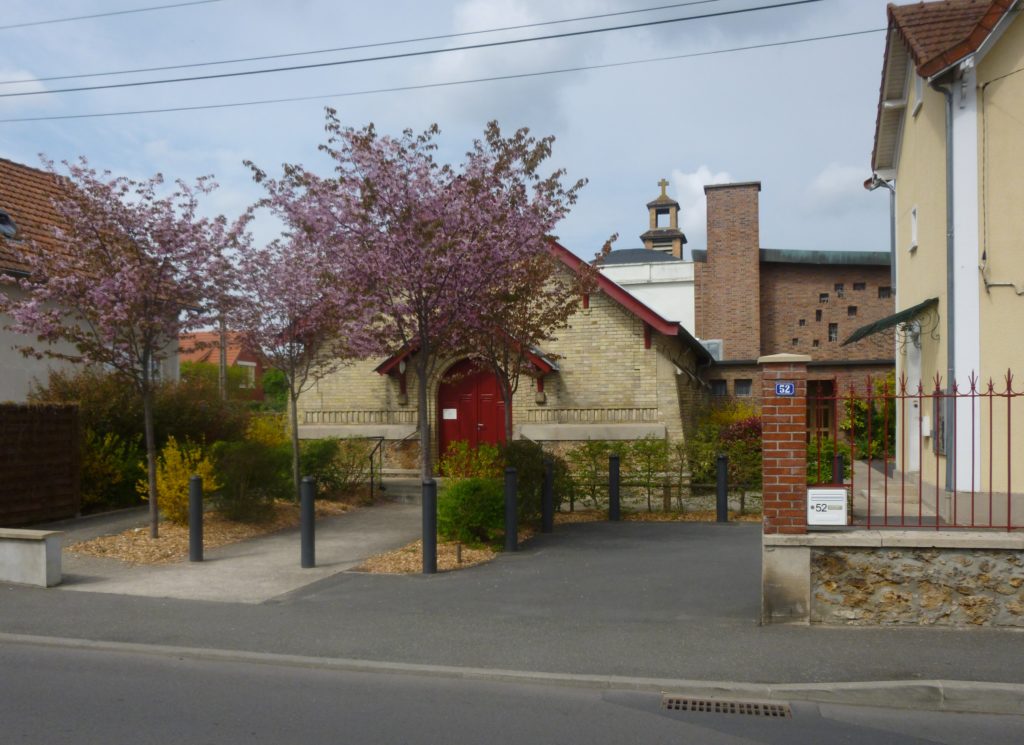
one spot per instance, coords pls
(110, 467)
(254, 474)
(647, 466)
(338, 466)
(588, 463)
(176, 464)
(471, 510)
(461, 461)
(820, 452)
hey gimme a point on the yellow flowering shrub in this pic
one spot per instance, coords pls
(174, 466)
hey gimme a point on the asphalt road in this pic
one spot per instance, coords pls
(666, 600)
(57, 696)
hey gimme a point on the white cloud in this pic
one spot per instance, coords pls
(693, 204)
(837, 190)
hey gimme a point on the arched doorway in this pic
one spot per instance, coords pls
(469, 407)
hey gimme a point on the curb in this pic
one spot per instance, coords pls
(930, 695)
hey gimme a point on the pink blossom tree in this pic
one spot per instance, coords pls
(298, 314)
(431, 246)
(131, 271)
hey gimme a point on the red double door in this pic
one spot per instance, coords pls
(469, 407)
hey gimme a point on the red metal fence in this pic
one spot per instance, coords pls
(920, 457)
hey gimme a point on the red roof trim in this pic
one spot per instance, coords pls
(619, 295)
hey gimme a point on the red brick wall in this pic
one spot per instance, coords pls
(784, 449)
(727, 289)
(790, 293)
(39, 463)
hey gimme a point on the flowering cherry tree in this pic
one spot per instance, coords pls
(131, 270)
(434, 247)
(298, 315)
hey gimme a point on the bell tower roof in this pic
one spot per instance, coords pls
(663, 233)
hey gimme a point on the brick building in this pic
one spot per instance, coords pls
(619, 371)
(752, 301)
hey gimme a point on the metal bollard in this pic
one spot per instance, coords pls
(511, 511)
(429, 498)
(547, 502)
(722, 489)
(195, 518)
(838, 469)
(614, 512)
(307, 515)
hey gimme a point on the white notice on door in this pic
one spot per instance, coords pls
(450, 413)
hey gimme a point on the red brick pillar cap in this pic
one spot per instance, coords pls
(776, 359)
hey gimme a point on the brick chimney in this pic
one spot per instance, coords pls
(728, 292)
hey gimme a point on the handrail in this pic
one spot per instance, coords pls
(380, 471)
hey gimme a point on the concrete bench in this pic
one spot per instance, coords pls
(30, 557)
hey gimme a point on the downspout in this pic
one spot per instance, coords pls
(950, 283)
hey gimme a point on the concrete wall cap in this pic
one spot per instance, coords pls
(775, 359)
(974, 539)
(17, 534)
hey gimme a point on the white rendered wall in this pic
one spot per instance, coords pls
(664, 286)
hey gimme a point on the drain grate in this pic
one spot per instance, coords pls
(721, 706)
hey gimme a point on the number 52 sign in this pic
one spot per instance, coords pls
(785, 389)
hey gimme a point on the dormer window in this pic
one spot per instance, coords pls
(8, 229)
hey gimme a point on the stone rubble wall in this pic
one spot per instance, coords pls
(917, 586)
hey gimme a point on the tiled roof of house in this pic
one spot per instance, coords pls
(27, 194)
(203, 346)
(939, 34)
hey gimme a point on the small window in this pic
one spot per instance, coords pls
(884, 293)
(743, 386)
(815, 343)
(840, 290)
(833, 332)
(719, 388)
(795, 341)
(859, 286)
(851, 310)
(802, 322)
(817, 315)
(823, 297)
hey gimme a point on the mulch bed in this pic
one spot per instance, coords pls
(134, 546)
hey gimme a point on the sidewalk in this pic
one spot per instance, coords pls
(620, 601)
(253, 571)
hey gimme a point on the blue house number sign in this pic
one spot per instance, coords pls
(785, 389)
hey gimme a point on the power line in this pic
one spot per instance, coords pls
(445, 84)
(105, 15)
(421, 53)
(353, 47)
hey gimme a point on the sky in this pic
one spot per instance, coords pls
(798, 117)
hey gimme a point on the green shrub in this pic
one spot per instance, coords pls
(471, 510)
(110, 467)
(254, 474)
(647, 465)
(208, 374)
(528, 459)
(858, 417)
(460, 461)
(339, 466)
(588, 463)
(175, 466)
(820, 452)
(275, 390)
(733, 430)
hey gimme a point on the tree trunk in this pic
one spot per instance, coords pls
(222, 372)
(506, 396)
(147, 413)
(426, 462)
(293, 418)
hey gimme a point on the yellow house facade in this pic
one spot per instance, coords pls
(948, 145)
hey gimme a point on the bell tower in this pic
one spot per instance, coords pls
(664, 233)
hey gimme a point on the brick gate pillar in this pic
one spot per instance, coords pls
(784, 442)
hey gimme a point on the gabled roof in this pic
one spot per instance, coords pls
(930, 37)
(940, 34)
(204, 346)
(632, 304)
(27, 194)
